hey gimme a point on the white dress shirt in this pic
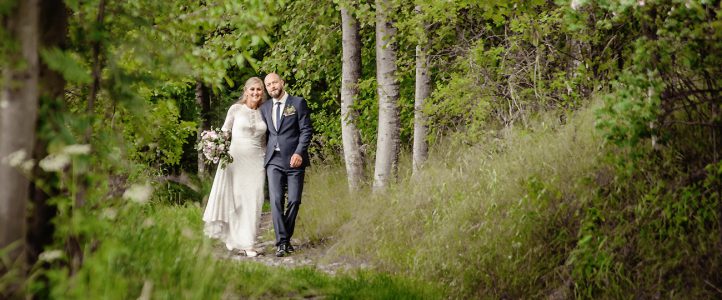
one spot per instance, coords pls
(276, 107)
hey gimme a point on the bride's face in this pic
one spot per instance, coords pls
(254, 93)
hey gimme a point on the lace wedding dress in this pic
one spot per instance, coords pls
(234, 205)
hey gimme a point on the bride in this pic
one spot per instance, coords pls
(234, 205)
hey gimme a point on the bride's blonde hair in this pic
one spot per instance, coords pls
(249, 82)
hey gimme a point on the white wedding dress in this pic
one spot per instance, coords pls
(234, 205)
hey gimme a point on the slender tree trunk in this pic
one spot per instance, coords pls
(97, 63)
(53, 26)
(204, 102)
(94, 90)
(576, 52)
(18, 113)
(387, 147)
(351, 73)
(422, 92)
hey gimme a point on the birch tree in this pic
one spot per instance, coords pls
(351, 73)
(18, 113)
(203, 100)
(422, 91)
(387, 146)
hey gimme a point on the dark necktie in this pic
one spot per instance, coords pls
(278, 115)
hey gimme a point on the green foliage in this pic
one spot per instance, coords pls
(509, 69)
(629, 111)
(68, 65)
(641, 231)
(152, 52)
(650, 229)
(161, 140)
(307, 55)
(8, 45)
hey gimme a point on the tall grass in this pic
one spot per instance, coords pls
(546, 210)
(327, 204)
(492, 220)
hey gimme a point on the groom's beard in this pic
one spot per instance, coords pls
(276, 94)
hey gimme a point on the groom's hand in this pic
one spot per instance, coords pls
(296, 160)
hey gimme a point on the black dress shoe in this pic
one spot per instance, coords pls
(289, 248)
(281, 251)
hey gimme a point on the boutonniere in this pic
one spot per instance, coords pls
(289, 111)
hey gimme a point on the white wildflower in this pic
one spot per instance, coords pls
(4, 104)
(187, 233)
(16, 158)
(50, 255)
(148, 222)
(54, 162)
(576, 4)
(79, 149)
(110, 213)
(139, 193)
(27, 165)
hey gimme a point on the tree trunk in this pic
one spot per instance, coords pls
(92, 98)
(97, 64)
(18, 113)
(351, 73)
(387, 147)
(423, 90)
(54, 27)
(204, 102)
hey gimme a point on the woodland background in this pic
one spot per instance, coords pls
(463, 149)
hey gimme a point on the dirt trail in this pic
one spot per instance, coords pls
(306, 255)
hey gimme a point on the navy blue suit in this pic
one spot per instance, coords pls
(292, 137)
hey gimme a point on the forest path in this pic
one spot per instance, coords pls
(306, 254)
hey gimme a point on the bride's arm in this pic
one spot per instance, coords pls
(228, 124)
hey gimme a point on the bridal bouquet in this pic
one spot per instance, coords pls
(215, 145)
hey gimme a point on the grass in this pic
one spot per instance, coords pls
(489, 221)
(543, 211)
(159, 249)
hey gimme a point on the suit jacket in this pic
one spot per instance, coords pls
(294, 133)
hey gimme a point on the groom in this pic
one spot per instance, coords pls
(288, 136)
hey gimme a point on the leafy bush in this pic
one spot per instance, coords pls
(160, 141)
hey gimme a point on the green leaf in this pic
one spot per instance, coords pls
(229, 81)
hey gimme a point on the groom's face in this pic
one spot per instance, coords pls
(274, 86)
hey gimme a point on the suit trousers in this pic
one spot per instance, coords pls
(283, 180)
